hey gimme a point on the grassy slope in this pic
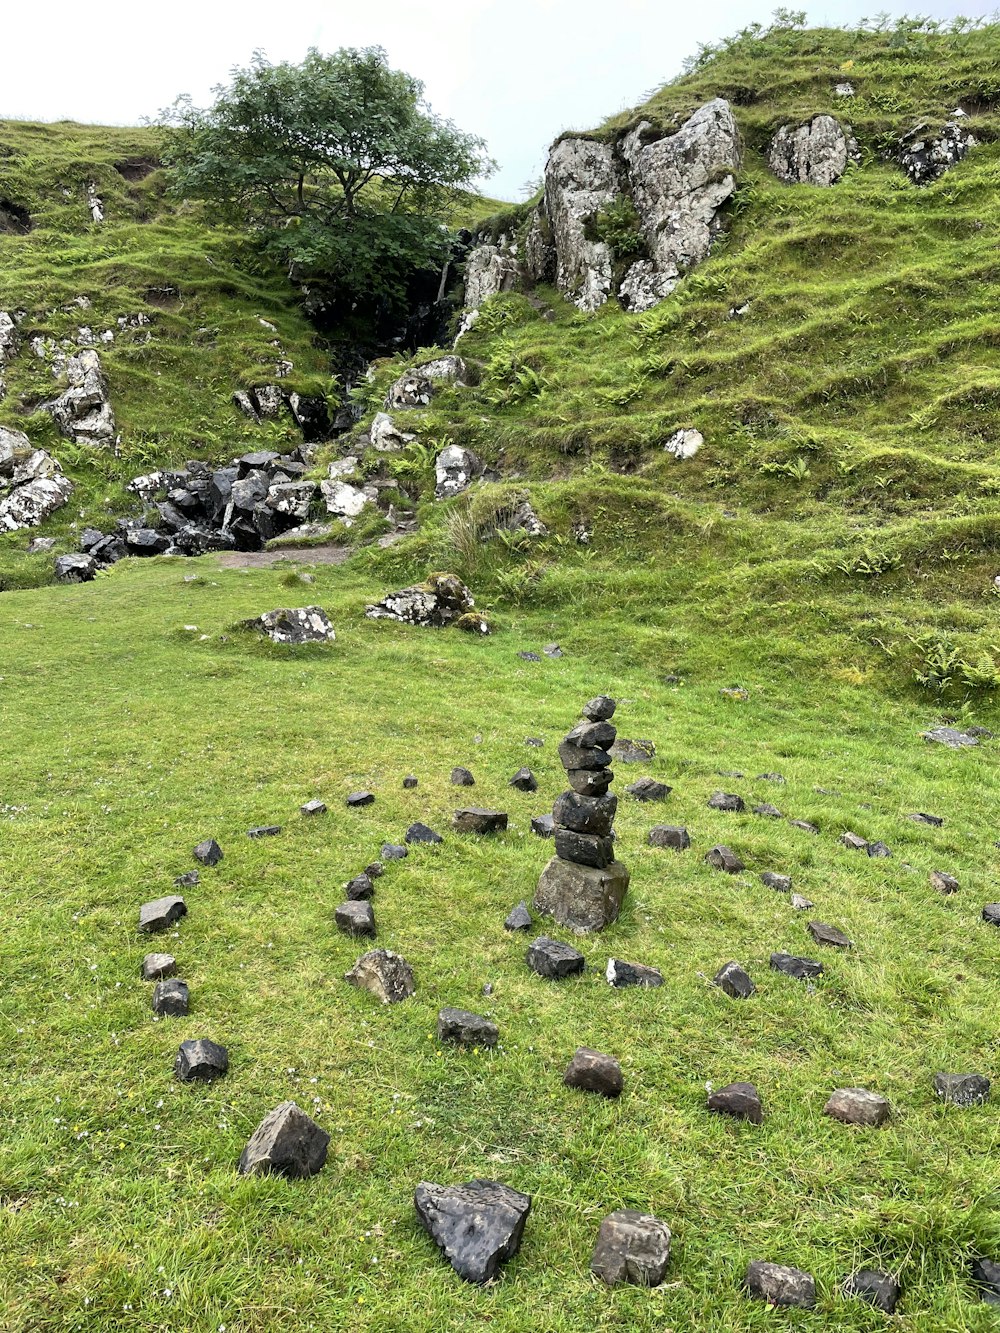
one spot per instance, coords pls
(867, 352)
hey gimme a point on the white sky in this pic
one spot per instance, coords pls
(517, 72)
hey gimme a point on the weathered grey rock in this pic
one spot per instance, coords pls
(420, 833)
(411, 390)
(384, 974)
(962, 1089)
(592, 1071)
(620, 974)
(524, 780)
(674, 836)
(161, 914)
(723, 858)
(32, 501)
(599, 709)
(943, 882)
(201, 1060)
(631, 1247)
(590, 735)
(287, 1142)
(360, 888)
(925, 154)
(727, 801)
(584, 849)
(858, 1106)
(287, 625)
(780, 1285)
(801, 904)
(455, 469)
(293, 499)
(409, 782)
(580, 180)
(803, 969)
(768, 811)
(683, 444)
(157, 966)
(771, 777)
(952, 738)
(462, 777)
(878, 849)
(920, 817)
(188, 880)
(467, 1029)
(208, 852)
(478, 1225)
(313, 807)
(575, 758)
(544, 826)
(986, 1276)
(816, 153)
(385, 435)
(75, 568)
(551, 959)
(991, 914)
(437, 602)
(590, 781)
(878, 1289)
(521, 517)
(648, 789)
(343, 500)
(853, 841)
(489, 270)
(734, 981)
(392, 851)
(171, 998)
(83, 411)
(771, 880)
(519, 918)
(359, 799)
(804, 825)
(356, 917)
(374, 870)
(627, 751)
(264, 831)
(584, 898)
(829, 935)
(740, 1100)
(473, 819)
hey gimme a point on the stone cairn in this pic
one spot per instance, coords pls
(583, 885)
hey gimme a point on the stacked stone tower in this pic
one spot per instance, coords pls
(583, 885)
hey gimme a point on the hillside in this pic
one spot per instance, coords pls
(783, 613)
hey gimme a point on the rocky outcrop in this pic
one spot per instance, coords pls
(581, 178)
(83, 412)
(816, 153)
(32, 485)
(455, 469)
(925, 155)
(310, 414)
(441, 600)
(489, 270)
(9, 343)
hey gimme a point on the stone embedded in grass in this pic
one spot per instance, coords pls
(735, 692)
(921, 817)
(853, 841)
(473, 819)
(599, 709)
(171, 998)
(770, 777)
(208, 852)
(952, 738)
(392, 851)
(478, 1226)
(674, 836)
(804, 825)
(313, 807)
(519, 918)
(384, 974)
(734, 981)
(962, 1089)
(188, 880)
(359, 888)
(579, 896)
(551, 959)
(358, 799)
(772, 880)
(287, 1142)
(420, 833)
(878, 1289)
(462, 777)
(409, 782)
(943, 882)
(544, 826)
(830, 935)
(722, 858)
(986, 1276)
(467, 1029)
(801, 904)
(293, 625)
(648, 789)
(768, 811)
(991, 914)
(553, 650)
(636, 751)
(585, 814)
(374, 870)
(593, 1071)
(631, 1247)
(621, 974)
(437, 602)
(584, 849)
(740, 1100)
(264, 831)
(858, 1106)
(156, 966)
(161, 914)
(200, 1060)
(780, 1285)
(803, 969)
(355, 917)
(590, 781)
(878, 849)
(536, 742)
(728, 801)
(529, 656)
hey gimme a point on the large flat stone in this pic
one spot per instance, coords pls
(581, 897)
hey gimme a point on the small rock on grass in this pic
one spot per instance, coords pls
(544, 826)
(804, 825)
(734, 981)
(314, 807)
(772, 880)
(392, 851)
(519, 918)
(208, 852)
(473, 819)
(631, 1247)
(356, 918)
(986, 1276)
(420, 833)
(360, 887)
(740, 1100)
(858, 1106)
(264, 831)
(620, 974)
(593, 1071)
(878, 1289)
(829, 935)
(462, 777)
(803, 969)
(200, 1060)
(727, 801)
(383, 974)
(524, 780)
(780, 1285)
(287, 1142)
(478, 1225)
(409, 782)
(157, 966)
(551, 959)
(648, 789)
(357, 799)
(801, 904)
(161, 914)
(853, 841)
(878, 849)
(768, 811)
(962, 1089)
(991, 914)
(673, 836)
(723, 858)
(189, 880)
(921, 817)
(943, 882)
(171, 998)
(466, 1028)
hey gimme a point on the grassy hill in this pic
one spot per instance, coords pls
(836, 537)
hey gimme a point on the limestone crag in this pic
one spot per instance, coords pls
(83, 411)
(816, 153)
(581, 178)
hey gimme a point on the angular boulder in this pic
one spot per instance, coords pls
(593, 1071)
(383, 974)
(926, 154)
(739, 1100)
(803, 969)
(620, 974)
(171, 998)
(858, 1106)
(631, 1247)
(816, 153)
(287, 1142)
(287, 625)
(584, 898)
(356, 917)
(478, 1225)
(83, 412)
(75, 568)
(200, 1060)
(161, 914)
(455, 469)
(734, 981)
(878, 1289)
(581, 179)
(674, 836)
(554, 960)
(473, 819)
(466, 1029)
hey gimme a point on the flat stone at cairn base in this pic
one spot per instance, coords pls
(779, 1285)
(581, 897)
(287, 1142)
(478, 1226)
(631, 1247)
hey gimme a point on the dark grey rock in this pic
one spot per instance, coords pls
(171, 998)
(188, 880)
(420, 833)
(633, 751)
(529, 657)
(590, 781)
(878, 849)
(581, 897)
(519, 918)
(949, 736)
(264, 831)
(374, 870)
(804, 825)
(287, 1142)
(772, 880)
(723, 858)
(356, 917)
(600, 709)
(585, 814)
(585, 849)
(384, 974)
(962, 1089)
(156, 966)
(536, 742)
(740, 1100)
(728, 801)
(592, 736)
(803, 969)
(409, 782)
(473, 819)
(858, 1106)
(75, 568)
(991, 914)
(146, 541)
(986, 1276)
(592, 1071)
(357, 799)
(161, 913)
(768, 811)
(620, 974)
(360, 888)
(919, 817)
(209, 853)
(200, 1060)
(631, 1247)
(313, 807)
(524, 780)
(576, 757)
(674, 836)
(392, 851)
(780, 1285)
(878, 1289)
(770, 777)
(551, 959)
(462, 777)
(293, 625)
(544, 826)
(943, 882)
(830, 935)
(467, 1029)
(648, 789)
(734, 981)
(478, 1225)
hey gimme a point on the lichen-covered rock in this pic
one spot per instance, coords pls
(291, 498)
(27, 505)
(385, 435)
(521, 517)
(343, 500)
(816, 153)
(451, 368)
(580, 179)
(410, 390)
(684, 444)
(925, 155)
(83, 412)
(305, 624)
(489, 270)
(454, 469)
(75, 568)
(383, 974)
(437, 602)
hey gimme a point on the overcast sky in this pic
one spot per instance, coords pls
(517, 72)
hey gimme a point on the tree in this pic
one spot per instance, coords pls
(336, 165)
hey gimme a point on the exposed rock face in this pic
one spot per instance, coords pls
(9, 343)
(454, 471)
(816, 153)
(925, 155)
(439, 601)
(343, 500)
(83, 412)
(478, 1226)
(385, 436)
(306, 624)
(287, 1142)
(581, 178)
(489, 270)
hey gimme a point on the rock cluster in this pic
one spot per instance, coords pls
(310, 414)
(443, 599)
(925, 154)
(32, 485)
(583, 885)
(83, 411)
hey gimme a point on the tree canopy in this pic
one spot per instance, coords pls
(336, 164)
